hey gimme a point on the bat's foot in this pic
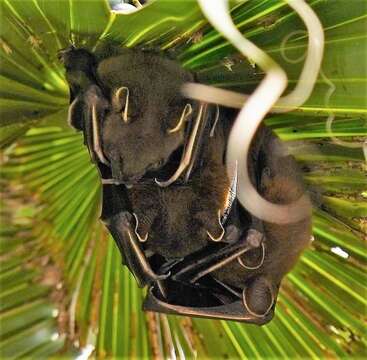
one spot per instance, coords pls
(254, 238)
(254, 258)
(259, 297)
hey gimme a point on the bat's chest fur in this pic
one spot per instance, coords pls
(178, 218)
(177, 232)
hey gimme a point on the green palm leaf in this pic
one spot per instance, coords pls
(28, 315)
(320, 311)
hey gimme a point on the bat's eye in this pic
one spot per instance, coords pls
(120, 102)
(187, 111)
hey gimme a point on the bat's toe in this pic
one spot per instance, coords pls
(258, 297)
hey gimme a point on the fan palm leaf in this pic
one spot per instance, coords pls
(321, 307)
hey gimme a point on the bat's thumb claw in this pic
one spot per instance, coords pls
(216, 238)
(141, 238)
(220, 236)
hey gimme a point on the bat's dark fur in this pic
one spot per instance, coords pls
(143, 144)
(280, 183)
(177, 218)
(174, 218)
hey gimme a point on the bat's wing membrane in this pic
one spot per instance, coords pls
(192, 291)
(86, 113)
(229, 311)
(120, 227)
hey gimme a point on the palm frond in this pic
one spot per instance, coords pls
(322, 303)
(30, 300)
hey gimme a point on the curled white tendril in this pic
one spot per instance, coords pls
(283, 47)
(329, 93)
(266, 97)
(331, 117)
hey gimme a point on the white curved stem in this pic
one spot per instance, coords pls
(331, 117)
(211, 94)
(184, 115)
(117, 101)
(187, 154)
(312, 65)
(220, 237)
(308, 76)
(250, 117)
(97, 147)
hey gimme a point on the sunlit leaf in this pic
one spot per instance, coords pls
(321, 308)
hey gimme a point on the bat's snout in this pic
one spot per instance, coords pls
(126, 179)
(122, 175)
(131, 171)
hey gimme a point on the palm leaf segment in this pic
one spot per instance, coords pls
(320, 310)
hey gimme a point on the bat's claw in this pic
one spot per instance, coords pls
(248, 267)
(258, 298)
(141, 238)
(255, 240)
(216, 239)
(221, 235)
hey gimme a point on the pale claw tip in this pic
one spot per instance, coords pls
(142, 239)
(145, 237)
(219, 238)
(163, 183)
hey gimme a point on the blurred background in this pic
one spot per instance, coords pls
(63, 291)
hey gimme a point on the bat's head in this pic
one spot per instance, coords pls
(145, 124)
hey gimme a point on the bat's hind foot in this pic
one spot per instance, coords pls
(254, 258)
(259, 297)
